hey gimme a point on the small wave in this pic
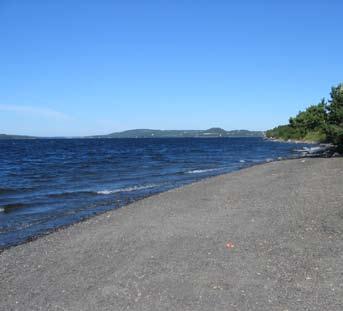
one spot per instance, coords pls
(202, 171)
(2, 209)
(300, 150)
(241, 161)
(128, 189)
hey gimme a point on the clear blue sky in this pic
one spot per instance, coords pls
(79, 67)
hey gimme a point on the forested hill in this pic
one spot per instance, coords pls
(147, 133)
(212, 132)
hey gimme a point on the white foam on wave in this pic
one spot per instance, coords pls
(128, 189)
(2, 209)
(242, 161)
(202, 171)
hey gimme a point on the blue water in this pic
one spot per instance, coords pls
(45, 184)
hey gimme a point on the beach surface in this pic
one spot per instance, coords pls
(269, 237)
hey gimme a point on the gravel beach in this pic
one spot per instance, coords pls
(269, 237)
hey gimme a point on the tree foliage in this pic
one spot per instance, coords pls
(334, 128)
(321, 122)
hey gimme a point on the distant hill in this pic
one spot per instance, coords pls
(212, 132)
(5, 136)
(147, 133)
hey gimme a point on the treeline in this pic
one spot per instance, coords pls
(322, 122)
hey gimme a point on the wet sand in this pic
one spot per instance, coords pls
(269, 237)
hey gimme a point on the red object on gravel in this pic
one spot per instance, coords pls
(230, 245)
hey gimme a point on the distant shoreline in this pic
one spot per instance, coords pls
(149, 133)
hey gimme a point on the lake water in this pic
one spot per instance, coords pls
(48, 183)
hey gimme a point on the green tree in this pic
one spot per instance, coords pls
(334, 128)
(321, 122)
(313, 118)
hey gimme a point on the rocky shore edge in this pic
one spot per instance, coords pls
(318, 150)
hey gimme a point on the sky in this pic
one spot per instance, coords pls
(81, 67)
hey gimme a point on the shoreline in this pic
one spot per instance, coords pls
(66, 226)
(295, 141)
(281, 221)
(318, 149)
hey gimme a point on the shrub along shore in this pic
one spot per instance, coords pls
(318, 123)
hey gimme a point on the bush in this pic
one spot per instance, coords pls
(334, 128)
(316, 136)
(322, 122)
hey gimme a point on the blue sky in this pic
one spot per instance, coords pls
(81, 67)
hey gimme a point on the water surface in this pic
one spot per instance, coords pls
(48, 183)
